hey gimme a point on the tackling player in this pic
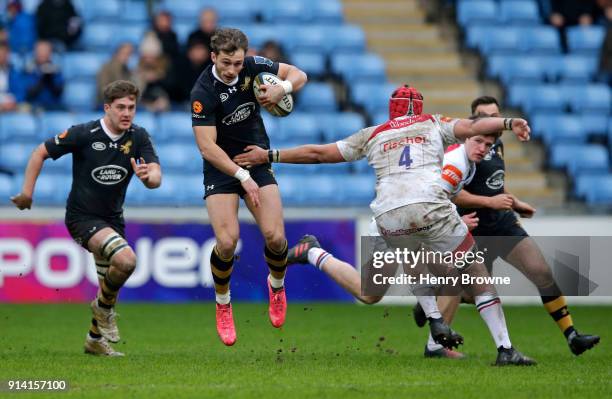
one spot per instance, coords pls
(105, 154)
(407, 153)
(484, 191)
(226, 118)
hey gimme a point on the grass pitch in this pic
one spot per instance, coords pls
(325, 350)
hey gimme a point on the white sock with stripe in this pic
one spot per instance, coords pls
(318, 256)
(489, 307)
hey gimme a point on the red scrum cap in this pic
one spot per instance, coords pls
(405, 100)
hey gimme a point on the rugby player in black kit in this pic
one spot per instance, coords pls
(105, 155)
(502, 234)
(226, 119)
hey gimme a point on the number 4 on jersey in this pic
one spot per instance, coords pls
(405, 158)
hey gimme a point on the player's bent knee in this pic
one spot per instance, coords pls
(113, 245)
(125, 261)
(226, 245)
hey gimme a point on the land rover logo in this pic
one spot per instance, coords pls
(109, 174)
(242, 112)
(98, 146)
(496, 180)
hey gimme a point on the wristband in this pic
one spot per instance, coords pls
(242, 175)
(273, 155)
(287, 86)
(508, 123)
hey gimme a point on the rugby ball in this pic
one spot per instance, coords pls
(285, 105)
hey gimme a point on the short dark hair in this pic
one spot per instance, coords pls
(120, 89)
(483, 100)
(228, 40)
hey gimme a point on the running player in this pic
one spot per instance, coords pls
(407, 153)
(484, 191)
(226, 118)
(105, 154)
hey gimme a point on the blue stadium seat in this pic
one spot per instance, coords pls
(7, 189)
(320, 189)
(183, 10)
(380, 116)
(148, 121)
(345, 39)
(595, 98)
(372, 96)
(79, 96)
(541, 40)
(562, 154)
(475, 35)
(522, 70)
(517, 94)
(595, 160)
(313, 63)
(183, 29)
(290, 188)
(337, 126)
(341, 168)
(170, 193)
(354, 68)
(586, 182)
(564, 128)
(585, 39)
(473, 12)
(286, 12)
(358, 190)
(523, 12)
(578, 68)
(601, 194)
(258, 34)
(82, 65)
(502, 41)
(62, 165)
(52, 188)
(99, 36)
(595, 124)
(193, 189)
(233, 11)
(137, 193)
(179, 157)
(132, 33)
(52, 123)
(18, 127)
(286, 169)
(270, 122)
(300, 127)
(135, 12)
(175, 126)
(545, 98)
(15, 156)
(317, 97)
(309, 38)
(327, 12)
(106, 10)
(498, 64)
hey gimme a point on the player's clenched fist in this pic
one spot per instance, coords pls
(22, 201)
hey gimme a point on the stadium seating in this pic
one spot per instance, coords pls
(313, 63)
(7, 189)
(471, 12)
(18, 127)
(340, 125)
(174, 126)
(79, 96)
(585, 39)
(317, 97)
(601, 193)
(82, 65)
(52, 123)
(515, 12)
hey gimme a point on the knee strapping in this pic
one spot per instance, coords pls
(112, 245)
(102, 267)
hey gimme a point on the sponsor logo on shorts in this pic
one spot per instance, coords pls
(496, 180)
(109, 174)
(98, 146)
(241, 113)
(401, 232)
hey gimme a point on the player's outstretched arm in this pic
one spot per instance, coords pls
(23, 200)
(309, 153)
(148, 173)
(466, 128)
(206, 138)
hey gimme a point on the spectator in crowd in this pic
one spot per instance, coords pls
(58, 21)
(9, 80)
(605, 58)
(566, 13)
(21, 28)
(184, 73)
(42, 78)
(206, 28)
(273, 51)
(115, 69)
(162, 26)
(151, 74)
(605, 9)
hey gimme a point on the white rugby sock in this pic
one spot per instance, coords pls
(318, 256)
(431, 344)
(222, 299)
(489, 307)
(276, 282)
(429, 305)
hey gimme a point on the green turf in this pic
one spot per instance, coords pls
(325, 350)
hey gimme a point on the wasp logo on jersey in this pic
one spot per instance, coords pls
(125, 148)
(241, 113)
(246, 85)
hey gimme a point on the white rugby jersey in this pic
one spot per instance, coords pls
(407, 154)
(457, 170)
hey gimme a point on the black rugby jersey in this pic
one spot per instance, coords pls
(101, 168)
(232, 109)
(488, 181)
